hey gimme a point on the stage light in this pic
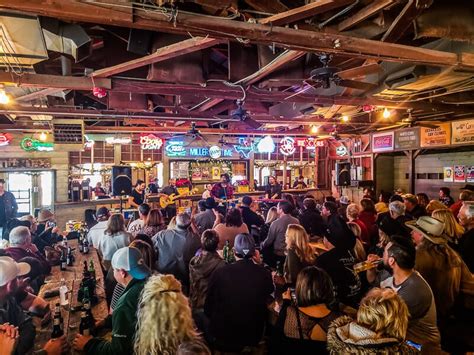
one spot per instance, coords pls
(345, 118)
(386, 113)
(314, 129)
(4, 98)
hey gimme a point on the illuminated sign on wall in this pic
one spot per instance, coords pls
(341, 150)
(308, 143)
(215, 152)
(4, 139)
(118, 140)
(244, 147)
(266, 145)
(175, 149)
(178, 149)
(89, 143)
(150, 142)
(287, 146)
(31, 144)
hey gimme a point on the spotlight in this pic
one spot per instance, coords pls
(314, 129)
(43, 136)
(386, 113)
(345, 118)
(4, 98)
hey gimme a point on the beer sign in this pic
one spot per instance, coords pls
(382, 142)
(462, 132)
(407, 138)
(433, 137)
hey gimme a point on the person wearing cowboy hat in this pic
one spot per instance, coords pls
(205, 220)
(440, 265)
(47, 231)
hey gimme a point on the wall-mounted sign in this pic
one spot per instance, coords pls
(408, 138)
(31, 144)
(178, 149)
(175, 149)
(382, 142)
(88, 143)
(462, 132)
(244, 147)
(320, 143)
(5, 139)
(118, 140)
(459, 173)
(470, 173)
(341, 150)
(448, 174)
(287, 146)
(150, 142)
(215, 152)
(432, 137)
(266, 145)
(309, 143)
(21, 163)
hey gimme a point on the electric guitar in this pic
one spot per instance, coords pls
(166, 201)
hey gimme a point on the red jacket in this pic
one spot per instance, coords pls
(18, 253)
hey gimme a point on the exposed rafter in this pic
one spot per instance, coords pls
(364, 13)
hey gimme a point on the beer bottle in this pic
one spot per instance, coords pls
(63, 297)
(69, 256)
(367, 265)
(225, 251)
(92, 268)
(57, 323)
(85, 271)
(279, 268)
(63, 261)
(85, 246)
(85, 326)
(81, 243)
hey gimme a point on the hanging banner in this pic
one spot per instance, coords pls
(408, 138)
(462, 132)
(448, 174)
(459, 173)
(470, 173)
(433, 137)
(382, 142)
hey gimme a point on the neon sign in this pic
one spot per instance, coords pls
(178, 149)
(244, 147)
(4, 139)
(341, 150)
(30, 144)
(266, 145)
(215, 152)
(150, 142)
(308, 143)
(175, 149)
(89, 143)
(118, 140)
(287, 146)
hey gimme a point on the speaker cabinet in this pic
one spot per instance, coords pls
(121, 180)
(343, 174)
(139, 41)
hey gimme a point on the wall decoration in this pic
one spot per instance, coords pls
(448, 174)
(215, 152)
(30, 144)
(216, 172)
(408, 138)
(150, 142)
(382, 142)
(244, 147)
(266, 145)
(433, 137)
(341, 150)
(470, 173)
(118, 140)
(287, 146)
(459, 173)
(88, 143)
(43, 163)
(462, 132)
(309, 143)
(175, 149)
(5, 139)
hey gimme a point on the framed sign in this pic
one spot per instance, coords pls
(470, 173)
(459, 173)
(433, 137)
(448, 174)
(462, 132)
(382, 142)
(408, 138)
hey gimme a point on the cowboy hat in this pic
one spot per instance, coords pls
(431, 228)
(45, 215)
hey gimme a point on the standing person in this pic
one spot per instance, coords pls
(97, 231)
(114, 238)
(137, 197)
(299, 183)
(207, 191)
(413, 209)
(466, 243)
(131, 272)
(170, 210)
(223, 190)
(235, 287)
(273, 189)
(153, 185)
(98, 190)
(250, 217)
(205, 220)
(153, 223)
(8, 206)
(137, 225)
(310, 218)
(299, 252)
(229, 229)
(274, 246)
(445, 196)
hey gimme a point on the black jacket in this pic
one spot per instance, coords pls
(9, 205)
(251, 218)
(312, 222)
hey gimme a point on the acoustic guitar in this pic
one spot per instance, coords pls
(166, 201)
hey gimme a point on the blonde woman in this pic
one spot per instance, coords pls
(164, 317)
(115, 237)
(380, 327)
(452, 229)
(359, 251)
(299, 252)
(272, 215)
(433, 206)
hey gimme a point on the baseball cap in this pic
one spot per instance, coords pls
(10, 269)
(244, 245)
(102, 212)
(131, 260)
(344, 200)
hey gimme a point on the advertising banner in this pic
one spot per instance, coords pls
(433, 137)
(382, 142)
(462, 132)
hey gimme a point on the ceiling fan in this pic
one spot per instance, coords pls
(192, 133)
(241, 114)
(223, 143)
(411, 121)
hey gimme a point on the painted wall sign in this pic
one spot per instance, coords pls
(244, 147)
(150, 142)
(470, 173)
(462, 132)
(408, 138)
(175, 149)
(432, 137)
(5, 139)
(30, 144)
(341, 150)
(382, 142)
(266, 145)
(287, 146)
(448, 174)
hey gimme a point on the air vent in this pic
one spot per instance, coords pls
(68, 132)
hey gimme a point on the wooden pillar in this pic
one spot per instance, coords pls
(316, 163)
(412, 155)
(284, 170)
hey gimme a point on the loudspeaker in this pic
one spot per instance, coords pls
(121, 180)
(139, 41)
(365, 183)
(343, 174)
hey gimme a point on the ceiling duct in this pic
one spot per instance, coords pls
(21, 41)
(68, 39)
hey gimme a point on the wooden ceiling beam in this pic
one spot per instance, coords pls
(28, 80)
(309, 41)
(303, 12)
(38, 94)
(168, 52)
(364, 13)
(271, 6)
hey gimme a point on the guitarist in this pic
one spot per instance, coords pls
(137, 197)
(170, 210)
(223, 191)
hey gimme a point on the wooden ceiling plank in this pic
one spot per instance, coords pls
(270, 6)
(303, 12)
(38, 94)
(360, 71)
(411, 10)
(53, 81)
(174, 50)
(364, 13)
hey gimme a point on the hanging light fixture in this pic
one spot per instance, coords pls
(4, 98)
(43, 136)
(314, 129)
(386, 113)
(345, 118)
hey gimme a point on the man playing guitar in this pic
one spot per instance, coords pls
(222, 192)
(170, 210)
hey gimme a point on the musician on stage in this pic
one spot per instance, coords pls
(170, 210)
(137, 197)
(299, 183)
(223, 190)
(273, 189)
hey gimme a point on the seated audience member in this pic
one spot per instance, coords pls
(299, 252)
(195, 347)
(131, 272)
(294, 211)
(114, 238)
(33, 224)
(445, 196)
(304, 321)
(232, 226)
(465, 195)
(201, 268)
(380, 327)
(400, 255)
(47, 230)
(272, 215)
(310, 218)
(342, 210)
(21, 247)
(274, 246)
(97, 231)
(423, 199)
(433, 206)
(359, 251)
(137, 225)
(236, 303)
(202, 205)
(369, 193)
(205, 220)
(250, 217)
(154, 223)
(368, 215)
(384, 200)
(353, 212)
(394, 223)
(175, 248)
(453, 231)
(338, 261)
(440, 265)
(164, 317)
(466, 243)
(413, 209)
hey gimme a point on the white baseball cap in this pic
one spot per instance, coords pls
(10, 269)
(131, 260)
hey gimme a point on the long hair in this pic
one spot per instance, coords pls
(154, 218)
(233, 218)
(442, 256)
(385, 313)
(368, 205)
(298, 240)
(116, 224)
(164, 317)
(147, 251)
(435, 205)
(452, 229)
(272, 214)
